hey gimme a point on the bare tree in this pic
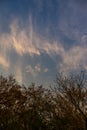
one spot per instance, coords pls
(73, 89)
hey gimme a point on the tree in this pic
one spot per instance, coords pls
(73, 89)
(63, 107)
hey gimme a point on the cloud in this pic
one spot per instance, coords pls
(33, 70)
(22, 40)
(26, 41)
(74, 59)
(37, 68)
(46, 70)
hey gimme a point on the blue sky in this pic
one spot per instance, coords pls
(39, 38)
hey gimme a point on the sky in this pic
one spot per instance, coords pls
(39, 38)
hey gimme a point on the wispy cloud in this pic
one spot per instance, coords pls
(74, 59)
(26, 41)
